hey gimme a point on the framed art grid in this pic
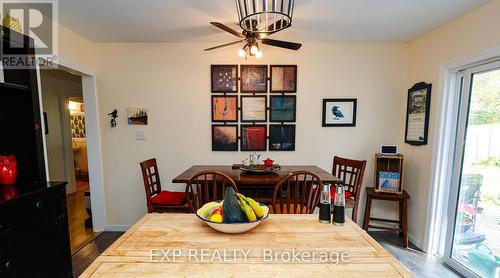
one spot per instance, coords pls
(283, 78)
(224, 108)
(224, 78)
(254, 108)
(253, 79)
(283, 108)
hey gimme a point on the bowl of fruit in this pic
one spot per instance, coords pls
(233, 215)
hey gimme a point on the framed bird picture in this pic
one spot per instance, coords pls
(339, 112)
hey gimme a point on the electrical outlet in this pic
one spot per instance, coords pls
(139, 135)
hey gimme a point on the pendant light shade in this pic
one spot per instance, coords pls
(265, 16)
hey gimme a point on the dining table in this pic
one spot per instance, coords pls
(259, 186)
(283, 245)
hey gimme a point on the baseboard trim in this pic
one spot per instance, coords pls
(415, 241)
(117, 228)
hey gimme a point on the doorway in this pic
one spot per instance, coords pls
(472, 238)
(66, 144)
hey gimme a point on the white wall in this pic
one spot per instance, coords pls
(173, 80)
(57, 87)
(75, 51)
(472, 33)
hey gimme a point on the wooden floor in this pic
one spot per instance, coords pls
(78, 234)
(88, 253)
(417, 262)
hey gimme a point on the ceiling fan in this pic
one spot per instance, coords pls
(252, 40)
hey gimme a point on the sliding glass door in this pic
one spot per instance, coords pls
(473, 237)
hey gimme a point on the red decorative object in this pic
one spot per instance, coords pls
(8, 192)
(268, 162)
(8, 170)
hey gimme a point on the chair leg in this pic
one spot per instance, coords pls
(367, 212)
(355, 212)
(401, 234)
(405, 223)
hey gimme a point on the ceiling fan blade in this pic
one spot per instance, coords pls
(227, 29)
(283, 44)
(223, 45)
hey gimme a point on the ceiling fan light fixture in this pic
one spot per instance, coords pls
(242, 53)
(259, 54)
(254, 49)
(265, 16)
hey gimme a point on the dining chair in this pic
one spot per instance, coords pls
(297, 193)
(158, 200)
(207, 186)
(351, 173)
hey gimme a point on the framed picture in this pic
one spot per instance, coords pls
(253, 137)
(283, 78)
(283, 108)
(417, 114)
(389, 182)
(224, 108)
(339, 112)
(253, 78)
(224, 78)
(224, 137)
(282, 137)
(137, 116)
(253, 108)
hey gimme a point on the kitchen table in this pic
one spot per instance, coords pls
(181, 245)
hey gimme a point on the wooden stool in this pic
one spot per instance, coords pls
(402, 199)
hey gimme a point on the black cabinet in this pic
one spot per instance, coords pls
(20, 117)
(34, 239)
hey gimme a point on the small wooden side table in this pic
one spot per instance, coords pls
(402, 199)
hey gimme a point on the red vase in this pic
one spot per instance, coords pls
(8, 170)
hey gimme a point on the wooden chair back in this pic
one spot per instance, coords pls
(351, 172)
(151, 178)
(297, 193)
(207, 186)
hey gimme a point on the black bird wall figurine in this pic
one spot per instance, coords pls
(113, 116)
(337, 114)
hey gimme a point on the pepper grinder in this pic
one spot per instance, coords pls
(325, 205)
(339, 205)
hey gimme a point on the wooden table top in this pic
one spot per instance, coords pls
(242, 178)
(172, 245)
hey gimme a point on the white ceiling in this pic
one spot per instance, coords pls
(314, 20)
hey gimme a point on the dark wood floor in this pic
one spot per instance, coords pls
(88, 253)
(417, 262)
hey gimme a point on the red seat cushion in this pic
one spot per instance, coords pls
(169, 198)
(332, 193)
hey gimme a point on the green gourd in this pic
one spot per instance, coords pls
(231, 210)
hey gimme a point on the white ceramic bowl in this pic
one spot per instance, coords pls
(235, 228)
